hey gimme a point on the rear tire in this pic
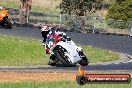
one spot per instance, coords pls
(61, 57)
(84, 61)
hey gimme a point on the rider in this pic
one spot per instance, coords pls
(47, 32)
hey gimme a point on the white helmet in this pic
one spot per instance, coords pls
(46, 28)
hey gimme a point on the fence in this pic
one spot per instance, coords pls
(38, 15)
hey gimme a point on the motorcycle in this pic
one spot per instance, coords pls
(66, 51)
(4, 21)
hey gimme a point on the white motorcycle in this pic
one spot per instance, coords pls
(66, 51)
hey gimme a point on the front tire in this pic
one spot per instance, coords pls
(61, 57)
(8, 24)
(84, 61)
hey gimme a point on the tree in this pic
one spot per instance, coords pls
(120, 10)
(78, 8)
(25, 8)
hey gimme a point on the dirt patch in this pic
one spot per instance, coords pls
(35, 77)
(47, 76)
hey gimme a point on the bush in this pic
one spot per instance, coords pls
(73, 25)
(121, 13)
(118, 24)
(120, 10)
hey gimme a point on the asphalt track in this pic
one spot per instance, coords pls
(109, 42)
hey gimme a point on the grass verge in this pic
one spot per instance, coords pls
(99, 55)
(16, 51)
(61, 84)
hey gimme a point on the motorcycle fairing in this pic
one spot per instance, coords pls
(71, 51)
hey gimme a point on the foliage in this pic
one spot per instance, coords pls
(72, 25)
(118, 24)
(79, 7)
(120, 10)
(121, 13)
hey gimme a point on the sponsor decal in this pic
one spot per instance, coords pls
(83, 78)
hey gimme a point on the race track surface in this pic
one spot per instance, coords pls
(109, 42)
(113, 67)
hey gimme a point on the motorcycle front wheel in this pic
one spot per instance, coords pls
(61, 56)
(8, 24)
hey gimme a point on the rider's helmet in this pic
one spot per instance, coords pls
(45, 31)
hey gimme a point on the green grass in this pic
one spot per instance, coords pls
(21, 52)
(16, 51)
(61, 84)
(99, 55)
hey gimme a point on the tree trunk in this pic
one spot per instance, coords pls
(25, 8)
